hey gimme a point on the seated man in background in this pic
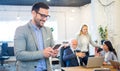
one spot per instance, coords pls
(71, 56)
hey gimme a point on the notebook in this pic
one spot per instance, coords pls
(101, 69)
(95, 62)
(115, 64)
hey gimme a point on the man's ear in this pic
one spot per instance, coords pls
(33, 13)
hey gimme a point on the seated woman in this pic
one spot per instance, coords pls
(108, 52)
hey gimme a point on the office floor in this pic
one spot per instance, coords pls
(8, 67)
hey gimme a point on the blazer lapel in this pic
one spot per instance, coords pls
(44, 36)
(33, 35)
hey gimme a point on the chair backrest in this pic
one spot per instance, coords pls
(11, 51)
(61, 56)
(4, 50)
(7, 51)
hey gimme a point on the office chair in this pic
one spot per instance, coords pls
(4, 53)
(4, 49)
(11, 51)
(61, 56)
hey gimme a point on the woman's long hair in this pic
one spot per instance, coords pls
(82, 28)
(110, 47)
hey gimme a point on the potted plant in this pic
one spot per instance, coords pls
(103, 33)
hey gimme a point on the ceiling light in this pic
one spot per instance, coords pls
(73, 10)
(18, 18)
(48, 0)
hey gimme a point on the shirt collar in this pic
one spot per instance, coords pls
(107, 52)
(34, 26)
(72, 48)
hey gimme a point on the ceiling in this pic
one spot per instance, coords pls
(68, 3)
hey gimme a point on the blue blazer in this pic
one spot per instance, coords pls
(70, 58)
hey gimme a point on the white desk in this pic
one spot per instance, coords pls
(11, 59)
(80, 68)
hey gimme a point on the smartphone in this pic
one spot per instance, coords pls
(78, 51)
(62, 70)
(83, 51)
(56, 46)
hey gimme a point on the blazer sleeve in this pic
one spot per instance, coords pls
(20, 45)
(68, 54)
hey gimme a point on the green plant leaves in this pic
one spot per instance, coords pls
(103, 32)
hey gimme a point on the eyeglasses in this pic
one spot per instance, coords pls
(43, 15)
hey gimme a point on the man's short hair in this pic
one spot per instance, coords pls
(39, 5)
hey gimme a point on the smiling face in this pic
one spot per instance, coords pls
(105, 47)
(74, 43)
(40, 17)
(84, 30)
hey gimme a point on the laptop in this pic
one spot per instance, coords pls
(94, 62)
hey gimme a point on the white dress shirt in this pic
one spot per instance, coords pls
(74, 53)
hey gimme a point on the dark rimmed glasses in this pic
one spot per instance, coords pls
(44, 16)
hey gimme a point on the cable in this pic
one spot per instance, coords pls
(105, 5)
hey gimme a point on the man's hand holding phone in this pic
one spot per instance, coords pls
(54, 54)
(48, 52)
(55, 48)
(80, 54)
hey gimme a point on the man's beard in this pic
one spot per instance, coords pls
(38, 24)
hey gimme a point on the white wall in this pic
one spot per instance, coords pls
(108, 13)
(117, 27)
(69, 19)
